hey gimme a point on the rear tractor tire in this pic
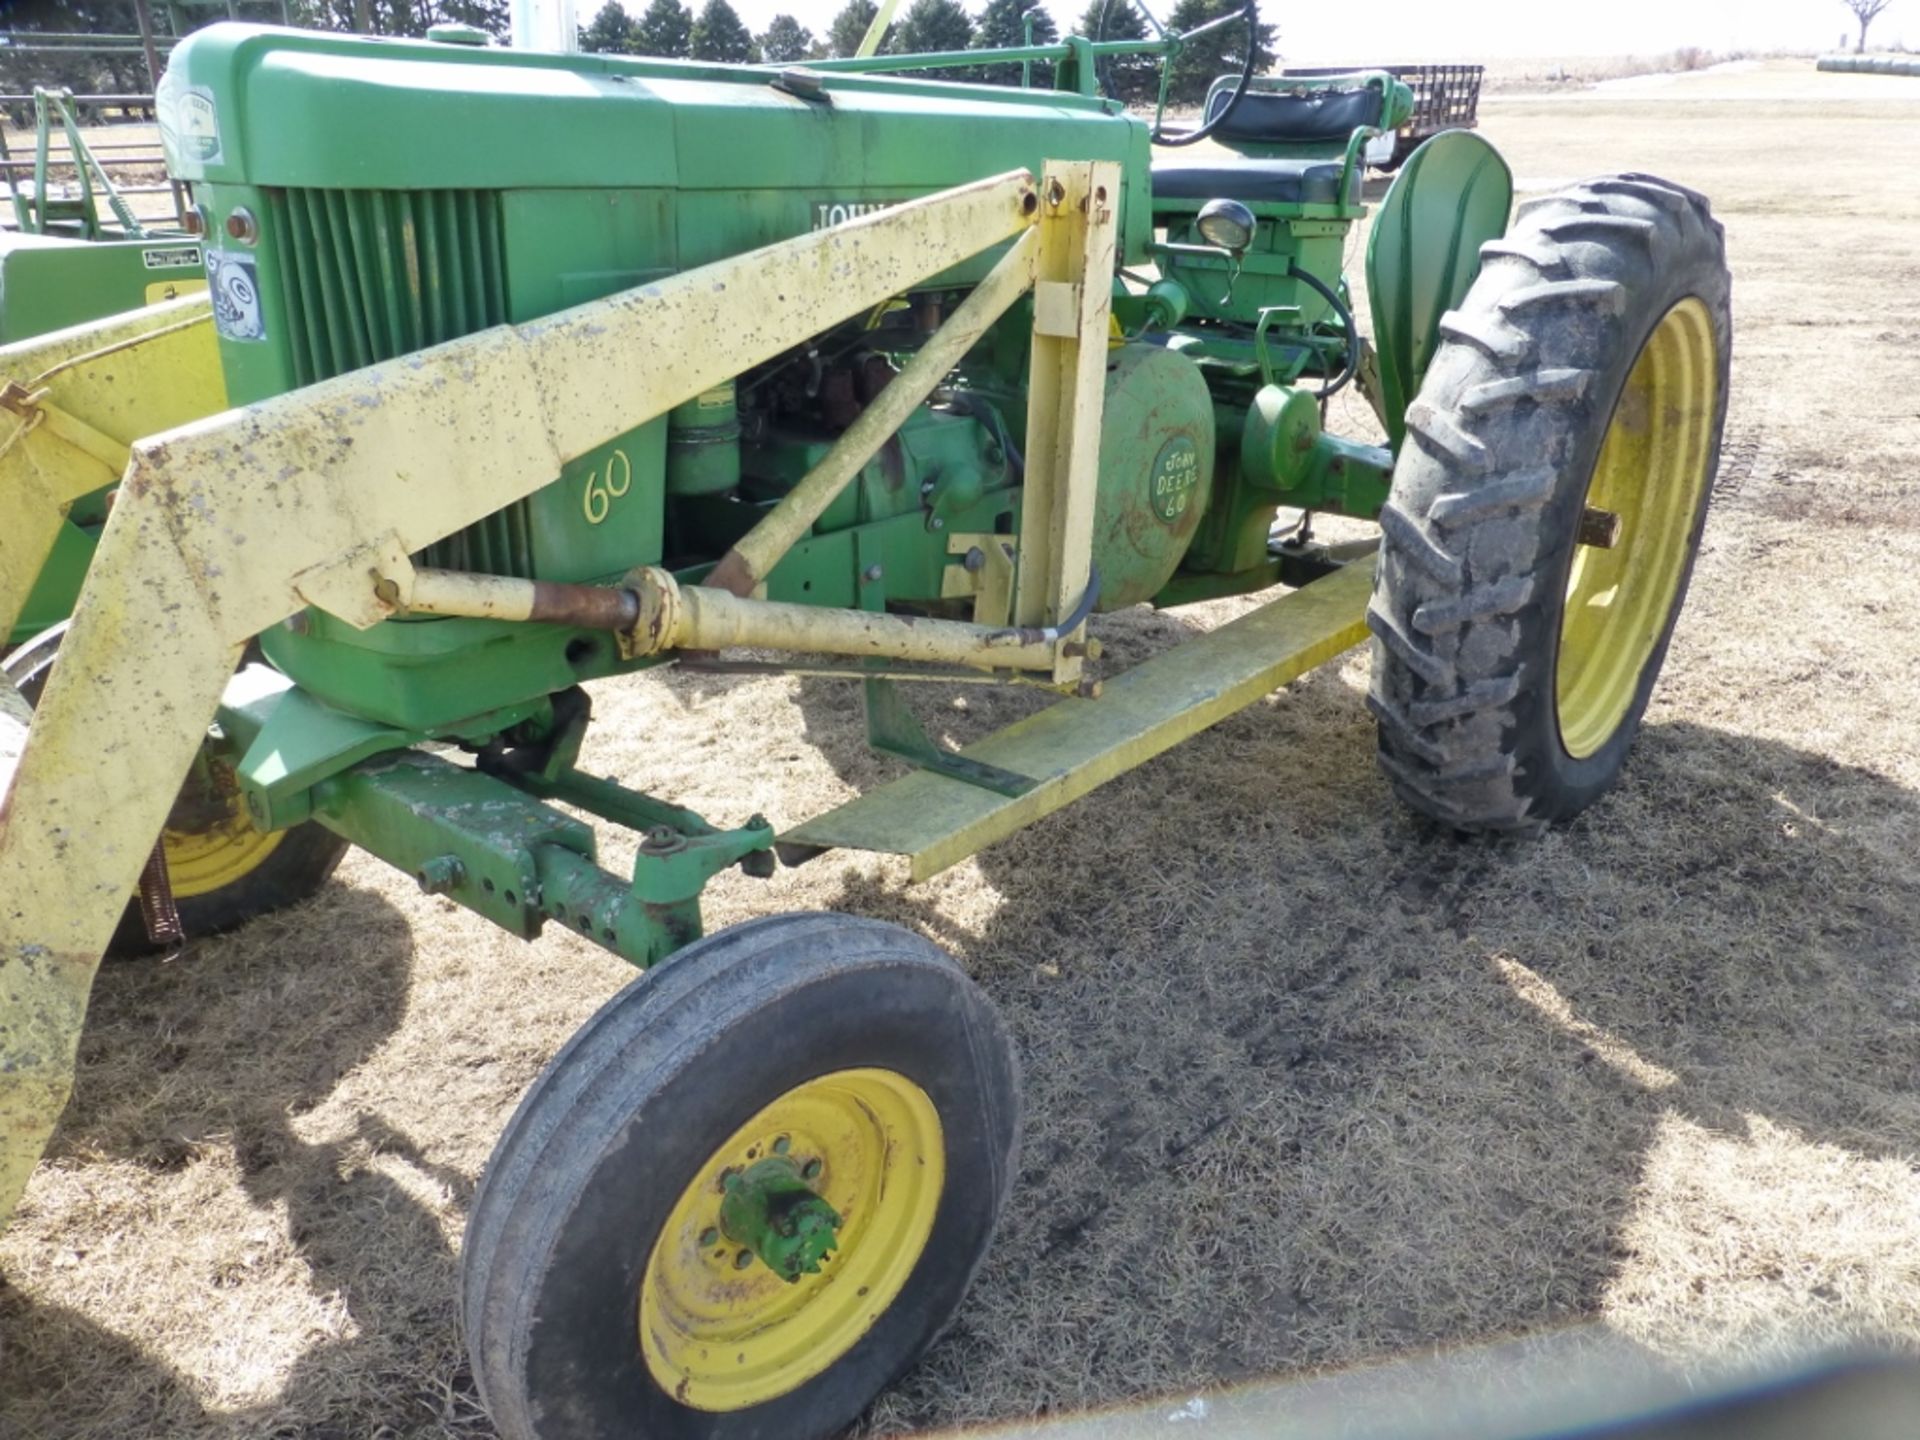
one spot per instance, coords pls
(1547, 505)
(746, 1194)
(223, 871)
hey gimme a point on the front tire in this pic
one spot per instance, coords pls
(222, 869)
(605, 1291)
(1583, 376)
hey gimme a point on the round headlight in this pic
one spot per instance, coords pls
(1226, 223)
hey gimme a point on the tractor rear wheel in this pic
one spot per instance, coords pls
(746, 1194)
(222, 869)
(1548, 503)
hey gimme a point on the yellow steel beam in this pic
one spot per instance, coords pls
(1075, 745)
(752, 557)
(1066, 387)
(70, 404)
(695, 617)
(216, 522)
(651, 613)
(877, 31)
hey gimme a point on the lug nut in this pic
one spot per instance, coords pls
(1599, 528)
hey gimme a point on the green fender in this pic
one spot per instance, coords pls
(1452, 196)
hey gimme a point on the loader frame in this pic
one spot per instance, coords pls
(327, 490)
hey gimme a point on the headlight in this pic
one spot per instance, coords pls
(1226, 223)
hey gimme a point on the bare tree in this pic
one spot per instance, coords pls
(1864, 11)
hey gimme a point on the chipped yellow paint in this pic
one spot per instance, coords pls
(79, 398)
(695, 617)
(991, 584)
(1065, 391)
(215, 521)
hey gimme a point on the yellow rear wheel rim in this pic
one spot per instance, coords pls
(223, 853)
(1652, 473)
(721, 1337)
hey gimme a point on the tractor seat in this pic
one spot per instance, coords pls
(1303, 117)
(1256, 182)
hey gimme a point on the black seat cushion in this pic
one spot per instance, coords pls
(1273, 182)
(1267, 117)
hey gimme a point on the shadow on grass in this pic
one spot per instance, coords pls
(1310, 1082)
(214, 1058)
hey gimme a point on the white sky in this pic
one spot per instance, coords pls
(1389, 31)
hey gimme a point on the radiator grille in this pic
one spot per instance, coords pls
(370, 274)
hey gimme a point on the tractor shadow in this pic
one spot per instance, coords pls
(208, 1063)
(833, 717)
(1310, 1082)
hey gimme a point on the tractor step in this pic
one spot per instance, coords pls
(1074, 746)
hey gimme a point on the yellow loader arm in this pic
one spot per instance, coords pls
(226, 526)
(72, 402)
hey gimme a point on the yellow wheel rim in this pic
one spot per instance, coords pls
(222, 847)
(1652, 473)
(719, 1337)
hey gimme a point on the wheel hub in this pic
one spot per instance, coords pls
(770, 1209)
(832, 1188)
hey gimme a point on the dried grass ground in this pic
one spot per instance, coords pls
(1307, 1083)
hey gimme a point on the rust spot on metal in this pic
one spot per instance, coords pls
(159, 915)
(590, 607)
(733, 575)
(1599, 528)
(21, 401)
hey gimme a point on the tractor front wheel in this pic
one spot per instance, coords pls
(222, 869)
(1547, 505)
(746, 1194)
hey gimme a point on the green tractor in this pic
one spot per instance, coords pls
(544, 369)
(76, 250)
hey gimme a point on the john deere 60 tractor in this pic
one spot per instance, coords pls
(521, 371)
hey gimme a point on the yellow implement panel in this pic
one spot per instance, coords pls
(70, 405)
(1076, 745)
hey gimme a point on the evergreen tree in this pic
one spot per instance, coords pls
(720, 34)
(611, 32)
(1133, 78)
(785, 41)
(1220, 52)
(933, 25)
(397, 17)
(1002, 24)
(850, 26)
(665, 30)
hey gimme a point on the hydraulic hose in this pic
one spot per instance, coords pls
(1315, 283)
(1091, 597)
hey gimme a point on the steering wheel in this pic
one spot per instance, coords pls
(1249, 14)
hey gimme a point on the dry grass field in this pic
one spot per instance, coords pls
(1308, 1083)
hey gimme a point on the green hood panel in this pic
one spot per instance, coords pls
(265, 106)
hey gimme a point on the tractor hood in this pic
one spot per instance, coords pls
(263, 106)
